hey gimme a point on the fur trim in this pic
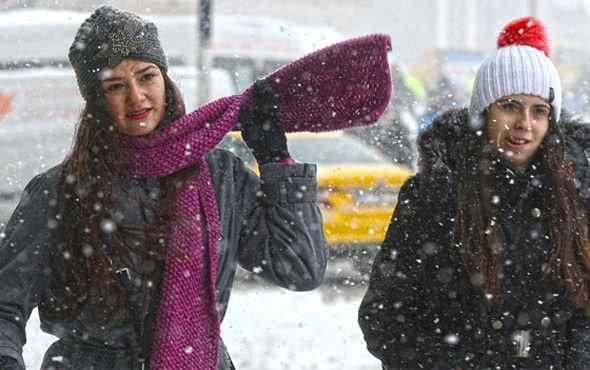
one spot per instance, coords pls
(438, 145)
(574, 128)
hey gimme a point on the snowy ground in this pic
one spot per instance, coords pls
(268, 328)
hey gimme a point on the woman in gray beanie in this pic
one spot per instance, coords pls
(129, 248)
(486, 263)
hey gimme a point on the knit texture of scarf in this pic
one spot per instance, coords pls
(344, 85)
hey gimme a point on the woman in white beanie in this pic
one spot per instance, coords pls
(486, 263)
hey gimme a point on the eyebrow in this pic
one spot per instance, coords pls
(519, 102)
(116, 78)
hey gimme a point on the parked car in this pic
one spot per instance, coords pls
(357, 192)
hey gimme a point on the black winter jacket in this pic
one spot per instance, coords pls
(421, 310)
(264, 227)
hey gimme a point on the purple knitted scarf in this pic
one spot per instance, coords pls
(344, 85)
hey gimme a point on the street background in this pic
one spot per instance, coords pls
(427, 34)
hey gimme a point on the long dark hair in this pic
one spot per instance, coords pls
(482, 238)
(89, 213)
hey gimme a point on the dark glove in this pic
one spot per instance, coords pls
(10, 363)
(262, 128)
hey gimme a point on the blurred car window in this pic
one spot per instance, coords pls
(333, 150)
(234, 143)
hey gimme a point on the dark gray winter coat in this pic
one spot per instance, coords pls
(421, 310)
(279, 236)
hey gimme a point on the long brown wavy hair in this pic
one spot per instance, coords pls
(89, 213)
(481, 236)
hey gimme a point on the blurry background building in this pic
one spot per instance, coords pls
(430, 37)
(437, 46)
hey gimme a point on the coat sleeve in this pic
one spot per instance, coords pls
(282, 238)
(577, 355)
(25, 265)
(393, 315)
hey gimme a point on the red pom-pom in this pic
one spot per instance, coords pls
(525, 31)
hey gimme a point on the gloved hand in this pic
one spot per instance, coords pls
(262, 128)
(10, 363)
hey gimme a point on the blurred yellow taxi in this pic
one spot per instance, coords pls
(357, 187)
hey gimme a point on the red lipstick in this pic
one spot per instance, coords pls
(139, 114)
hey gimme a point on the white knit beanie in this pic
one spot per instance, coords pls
(521, 65)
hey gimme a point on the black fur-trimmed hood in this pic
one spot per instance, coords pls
(442, 142)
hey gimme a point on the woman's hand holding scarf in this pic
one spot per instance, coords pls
(262, 127)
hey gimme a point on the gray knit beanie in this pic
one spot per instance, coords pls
(107, 37)
(521, 65)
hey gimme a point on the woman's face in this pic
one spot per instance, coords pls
(517, 125)
(135, 95)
